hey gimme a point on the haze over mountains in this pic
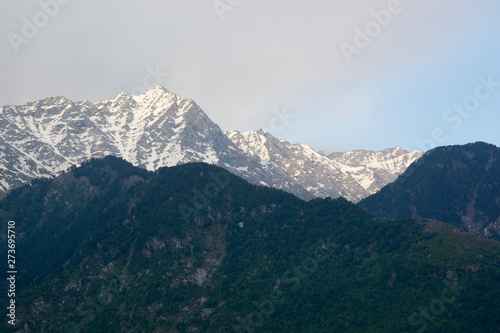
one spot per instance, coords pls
(159, 128)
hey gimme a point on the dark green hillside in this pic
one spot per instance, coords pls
(111, 248)
(459, 185)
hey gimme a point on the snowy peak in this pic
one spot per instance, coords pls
(375, 169)
(391, 159)
(156, 98)
(158, 128)
(150, 130)
(55, 133)
(353, 175)
(303, 165)
(159, 123)
(252, 142)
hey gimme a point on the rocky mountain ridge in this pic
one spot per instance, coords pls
(159, 128)
(353, 175)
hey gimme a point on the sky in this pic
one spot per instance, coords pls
(335, 75)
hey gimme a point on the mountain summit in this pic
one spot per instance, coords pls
(353, 175)
(158, 128)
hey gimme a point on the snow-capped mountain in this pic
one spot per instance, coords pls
(159, 128)
(375, 169)
(353, 175)
(151, 130)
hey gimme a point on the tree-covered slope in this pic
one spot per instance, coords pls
(111, 248)
(459, 185)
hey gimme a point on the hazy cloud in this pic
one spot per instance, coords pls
(262, 56)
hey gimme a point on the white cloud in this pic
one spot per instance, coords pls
(262, 56)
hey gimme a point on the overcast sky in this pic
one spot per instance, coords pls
(343, 75)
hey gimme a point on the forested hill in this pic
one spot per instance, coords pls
(108, 247)
(459, 185)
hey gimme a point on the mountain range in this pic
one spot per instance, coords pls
(159, 128)
(139, 214)
(109, 247)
